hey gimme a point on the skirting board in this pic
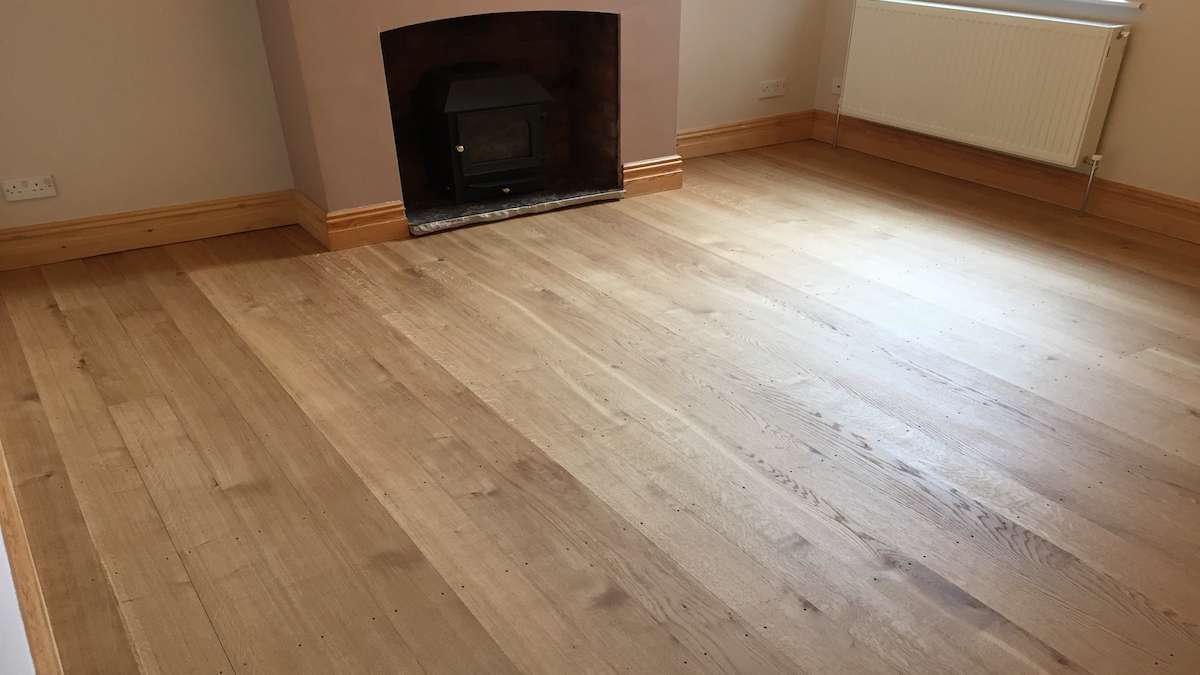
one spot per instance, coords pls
(68, 240)
(746, 135)
(83, 237)
(1157, 212)
(347, 228)
(653, 175)
(336, 230)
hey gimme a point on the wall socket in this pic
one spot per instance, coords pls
(837, 86)
(33, 187)
(772, 88)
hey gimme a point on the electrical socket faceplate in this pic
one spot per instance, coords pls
(33, 187)
(837, 86)
(772, 88)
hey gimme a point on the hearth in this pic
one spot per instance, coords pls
(504, 114)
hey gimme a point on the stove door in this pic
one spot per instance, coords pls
(499, 140)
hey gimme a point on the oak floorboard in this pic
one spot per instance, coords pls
(890, 632)
(566, 420)
(276, 489)
(81, 606)
(485, 458)
(213, 499)
(443, 634)
(735, 425)
(814, 412)
(897, 240)
(369, 433)
(983, 476)
(936, 362)
(1174, 429)
(170, 630)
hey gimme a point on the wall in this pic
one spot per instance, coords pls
(133, 104)
(332, 68)
(15, 658)
(1152, 139)
(728, 47)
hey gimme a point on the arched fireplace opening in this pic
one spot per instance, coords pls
(497, 115)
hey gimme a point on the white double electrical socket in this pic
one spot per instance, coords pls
(33, 187)
(772, 88)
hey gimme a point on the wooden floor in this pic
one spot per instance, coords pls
(815, 413)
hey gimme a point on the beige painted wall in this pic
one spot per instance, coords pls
(1152, 139)
(133, 104)
(136, 103)
(729, 46)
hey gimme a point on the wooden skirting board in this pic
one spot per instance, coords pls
(746, 135)
(653, 175)
(347, 228)
(336, 230)
(1165, 214)
(83, 237)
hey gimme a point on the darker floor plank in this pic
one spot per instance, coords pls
(441, 630)
(82, 608)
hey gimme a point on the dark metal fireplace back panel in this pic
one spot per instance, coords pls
(566, 61)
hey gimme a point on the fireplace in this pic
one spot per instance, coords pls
(503, 114)
(345, 74)
(484, 132)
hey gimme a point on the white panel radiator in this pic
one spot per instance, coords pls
(1031, 86)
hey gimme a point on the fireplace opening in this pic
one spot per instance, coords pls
(503, 114)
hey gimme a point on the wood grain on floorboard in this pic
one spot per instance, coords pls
(815, 412)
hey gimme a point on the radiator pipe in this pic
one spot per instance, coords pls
(837, 121)
(1087, 195)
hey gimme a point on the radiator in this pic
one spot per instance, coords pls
(1030, 86)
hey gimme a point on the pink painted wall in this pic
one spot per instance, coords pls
(328, 73)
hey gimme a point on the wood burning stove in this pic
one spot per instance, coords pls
(485, 132)
(531, 98)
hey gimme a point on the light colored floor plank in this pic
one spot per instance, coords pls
(735, 417)
(474, 451)
(816, 412)
(589, 368)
